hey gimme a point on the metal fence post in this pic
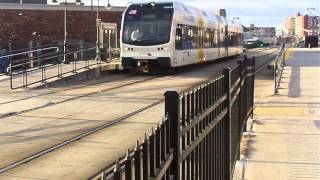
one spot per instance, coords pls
(117, 171)
(81, 50)
(245, 91)
(253, 80)
(172, 110)
(241, 120)
(275, 67)
(31, 54)
(39, 51)
(227, 85)
(128, 169)
(137, 162)
(103, 176)
(145, 158)
(11, 78)
(9, 47)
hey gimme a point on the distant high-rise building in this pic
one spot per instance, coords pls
(25, 1)
(289, 26)
(279, 31)
(301, 25)
(313, 22)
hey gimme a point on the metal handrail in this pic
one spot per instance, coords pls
(56, 60)
(31, 51)
(49, 56)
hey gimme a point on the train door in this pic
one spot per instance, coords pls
(178, 53)
(222, 42)
(186, 45)
(226, 40)
(218, 41)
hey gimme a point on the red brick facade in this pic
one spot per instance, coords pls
(18, 26)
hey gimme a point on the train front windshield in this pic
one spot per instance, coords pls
(146, 25)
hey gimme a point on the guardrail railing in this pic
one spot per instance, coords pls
(49, 61)
(278, 67)
(200, 136)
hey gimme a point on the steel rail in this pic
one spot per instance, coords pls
(76, 138)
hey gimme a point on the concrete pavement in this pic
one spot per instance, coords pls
(284, 138)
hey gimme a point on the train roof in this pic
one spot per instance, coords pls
(186, 13)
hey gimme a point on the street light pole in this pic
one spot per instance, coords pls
(98, 24)
(98, 9)
(65, 32)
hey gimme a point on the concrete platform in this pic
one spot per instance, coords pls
(284, 138)
(69, 111)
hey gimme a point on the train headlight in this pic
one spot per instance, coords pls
(128, 49)
(163, 49)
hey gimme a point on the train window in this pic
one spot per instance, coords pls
(230, 38)
(207, 38)
(211, 38)
(144, 26)
(188, 37)
(179, 37)
(201, 38)
(195, 43)
(216, 37)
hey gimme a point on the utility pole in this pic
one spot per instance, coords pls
(98, 24)
(65, 32)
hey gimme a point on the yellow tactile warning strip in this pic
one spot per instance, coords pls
(288, 53)
(279, 111)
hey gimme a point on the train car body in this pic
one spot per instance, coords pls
(165, 35)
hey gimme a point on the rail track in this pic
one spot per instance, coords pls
(72, 98)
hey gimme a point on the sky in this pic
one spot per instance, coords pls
(258, 12)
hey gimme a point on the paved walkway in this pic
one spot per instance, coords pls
(284, 140)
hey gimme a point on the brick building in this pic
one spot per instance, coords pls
(25, 1)
(289, 26)
(301, 24)
(45, 23)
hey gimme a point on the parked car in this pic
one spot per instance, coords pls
(4, 61)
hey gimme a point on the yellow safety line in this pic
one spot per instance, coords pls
(279, 111)
(288, 53)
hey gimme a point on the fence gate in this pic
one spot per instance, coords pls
(108, 40)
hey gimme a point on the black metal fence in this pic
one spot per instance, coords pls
(200, 136)
(278, 65)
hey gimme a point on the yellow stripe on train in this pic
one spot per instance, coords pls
(201, 52)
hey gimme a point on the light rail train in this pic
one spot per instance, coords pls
(157, 36)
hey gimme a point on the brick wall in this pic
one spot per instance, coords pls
(25, 1)
(18, 26)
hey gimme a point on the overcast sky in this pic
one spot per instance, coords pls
(258, 12)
